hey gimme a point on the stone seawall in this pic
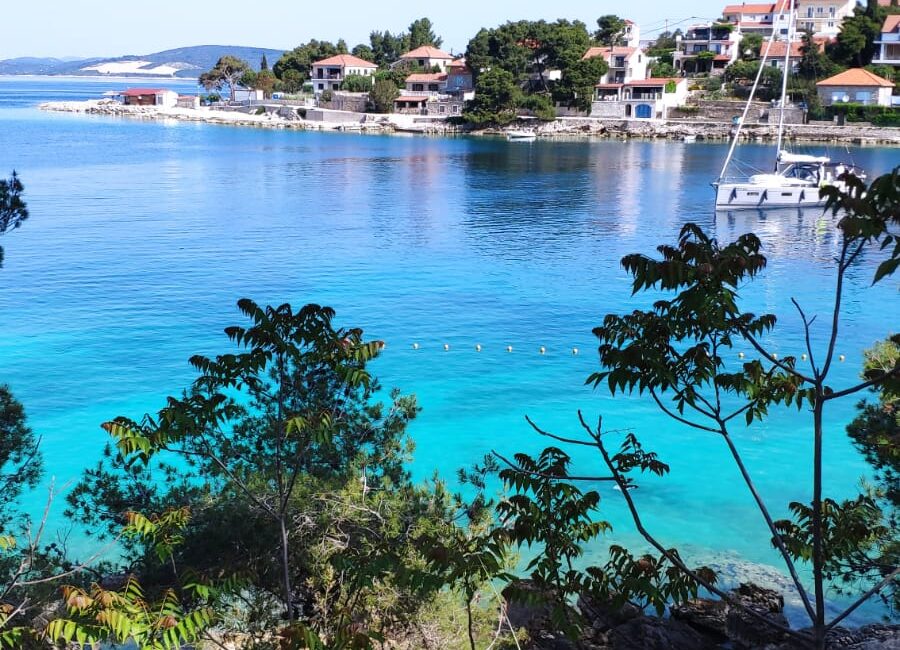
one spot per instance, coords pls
(277, 118)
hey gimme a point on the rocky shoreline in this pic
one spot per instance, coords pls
(700, 624)
(284, 117)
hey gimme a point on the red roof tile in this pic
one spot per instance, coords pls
(891, 24)
(346, 60)
(426, 52)
(856, 77)
(778, 49)
(138, 92)
(608, 52)
(421, 77)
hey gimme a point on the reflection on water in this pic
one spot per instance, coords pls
(142, 237)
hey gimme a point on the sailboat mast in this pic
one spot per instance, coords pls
(740, 126)
(784, 80)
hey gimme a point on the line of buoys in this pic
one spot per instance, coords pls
(575, 351)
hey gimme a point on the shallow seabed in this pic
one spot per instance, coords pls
(144, 235)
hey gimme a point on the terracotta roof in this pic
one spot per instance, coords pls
(757, 8)
(459, 66)
(891, 24)
(138, 92)
(721, 57)
(749, 9)
(346, 60)
(662, 81)
(422, 77)
(411, 98)
(426, 52)
(608, 52)
(856, 77)
(778, 49)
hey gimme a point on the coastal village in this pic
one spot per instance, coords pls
(841, 72)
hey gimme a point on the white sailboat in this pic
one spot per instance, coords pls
(797, 179)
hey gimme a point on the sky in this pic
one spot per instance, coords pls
(108, 28)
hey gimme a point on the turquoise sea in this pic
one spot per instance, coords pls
(143, 235)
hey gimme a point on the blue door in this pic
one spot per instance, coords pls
(644, 111)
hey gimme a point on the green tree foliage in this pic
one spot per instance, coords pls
(876, 433)
(743, 73)
(814, 63)
(384, 92)
(388, 48)
(364, 52)
(13, 211)
(497, 96)
(227, 73)
(751, 44)
(662, 70)
(294, 477)
(421, 32)
(578, 81)
(357, 83)
(20, 458)
(855, 44)
(528, 50)
(300, 60)
(676, 353)
(663, 47)
(550, 512)
(610, 30)
(263, 63)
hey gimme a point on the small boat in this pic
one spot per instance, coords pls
(796, 180)
(689, 138)
(521, 136)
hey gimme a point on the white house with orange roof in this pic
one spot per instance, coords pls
(889, 42)
(646, 99)
(760, 18)
(823, 17)
(855, 86)
(328, 74)
(776, 52)
(426, 57)
(625, 63)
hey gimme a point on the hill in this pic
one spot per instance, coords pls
(180, 62)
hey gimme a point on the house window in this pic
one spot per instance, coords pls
(321, 86)
(433, 87)
(418, 87)
(863, 96)
(422, 62)
(454, 109)
(442, 109)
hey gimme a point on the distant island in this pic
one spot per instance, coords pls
(184, 62)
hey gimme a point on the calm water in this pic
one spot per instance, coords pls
(143, 236)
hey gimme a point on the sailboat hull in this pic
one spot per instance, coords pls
(735, 196)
